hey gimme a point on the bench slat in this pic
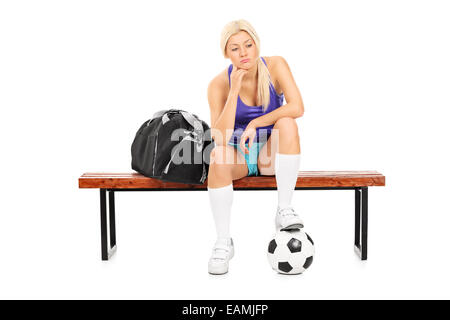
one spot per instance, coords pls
(135, 180)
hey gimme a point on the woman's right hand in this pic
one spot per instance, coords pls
(236, 78)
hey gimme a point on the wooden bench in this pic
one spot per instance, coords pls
(359, 181)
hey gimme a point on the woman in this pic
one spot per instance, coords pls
(247, 115)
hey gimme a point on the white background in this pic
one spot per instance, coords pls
(78, 78)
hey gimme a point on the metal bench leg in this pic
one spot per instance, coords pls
(112, 220)
(107, 250)
(361, 221)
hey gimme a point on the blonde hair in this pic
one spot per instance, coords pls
(263, 84)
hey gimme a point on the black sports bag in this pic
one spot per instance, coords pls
(173, 146)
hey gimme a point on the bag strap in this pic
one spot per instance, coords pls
(159, 113)
(194, 122)
(198, 135)
(163, 113)
(191, 119)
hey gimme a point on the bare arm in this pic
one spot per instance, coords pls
(223, 107)
(223, 113)
(294, 107)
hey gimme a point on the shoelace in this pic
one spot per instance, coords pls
(288, 211)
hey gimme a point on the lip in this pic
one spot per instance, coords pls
(245, 60)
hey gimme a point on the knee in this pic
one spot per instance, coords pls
(221, 155)
(287, 125)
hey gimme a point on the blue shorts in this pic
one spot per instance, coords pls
(251, 158)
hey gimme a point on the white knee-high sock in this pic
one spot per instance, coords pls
(221, 200)
(286, 173)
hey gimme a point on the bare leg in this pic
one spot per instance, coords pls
(281, 157)
(222, 170)
(227, 164)
(284, 139)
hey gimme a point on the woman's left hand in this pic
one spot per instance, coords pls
(249, 133)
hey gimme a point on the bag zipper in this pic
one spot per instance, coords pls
(154, 153)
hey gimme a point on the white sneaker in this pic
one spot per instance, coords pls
(287, 219)
(222, 252)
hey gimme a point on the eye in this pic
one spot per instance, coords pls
(248, 46)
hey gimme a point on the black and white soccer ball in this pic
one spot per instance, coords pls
(291, 252)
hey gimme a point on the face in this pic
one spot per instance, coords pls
(242, 47)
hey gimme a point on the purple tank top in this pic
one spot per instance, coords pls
(245, 113)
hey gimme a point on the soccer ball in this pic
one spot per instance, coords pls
(290, 251)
